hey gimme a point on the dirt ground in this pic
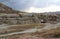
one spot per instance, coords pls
(50, 34)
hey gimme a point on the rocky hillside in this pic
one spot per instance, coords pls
(21, 25)
(6, 9)
(28, 18)
(11, 16)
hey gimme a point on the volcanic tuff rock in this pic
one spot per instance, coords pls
(11, 16)
(22, 18)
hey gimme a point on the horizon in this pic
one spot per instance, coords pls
(33, 6)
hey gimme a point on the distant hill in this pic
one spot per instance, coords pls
(6, 9)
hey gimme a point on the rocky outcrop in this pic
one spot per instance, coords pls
(28, 18)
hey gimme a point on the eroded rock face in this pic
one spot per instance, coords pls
(27, 18)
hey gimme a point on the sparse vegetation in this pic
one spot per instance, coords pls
(20, 21)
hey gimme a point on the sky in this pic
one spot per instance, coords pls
(34, 5)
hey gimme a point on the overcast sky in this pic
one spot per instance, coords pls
(32, 4)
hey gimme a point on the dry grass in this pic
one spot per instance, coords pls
(22, 27)
(51, 34)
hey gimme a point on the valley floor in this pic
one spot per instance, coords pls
(30, 31)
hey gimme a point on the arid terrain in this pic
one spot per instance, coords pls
(22, 25)
(39, 31)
